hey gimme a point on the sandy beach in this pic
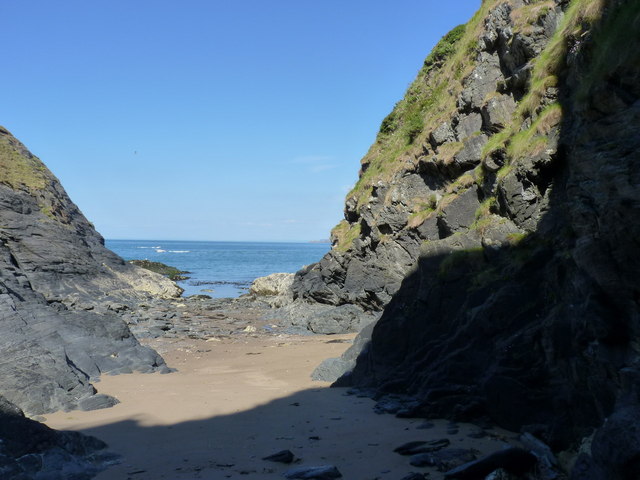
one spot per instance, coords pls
(234, 400)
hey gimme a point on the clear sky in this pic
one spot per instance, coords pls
(210, 119)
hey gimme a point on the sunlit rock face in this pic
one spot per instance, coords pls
(60, 289)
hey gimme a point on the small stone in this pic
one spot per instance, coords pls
(513, 460)
(413, 448)
(284, 456)
(414, 476)
(324, 472)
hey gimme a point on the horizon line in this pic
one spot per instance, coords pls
(321, 241)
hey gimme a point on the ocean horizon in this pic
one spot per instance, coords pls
(221, 268)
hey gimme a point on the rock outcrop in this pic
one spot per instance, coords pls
(303, 316)
(60, 290)
(31, 450)
(496, 222)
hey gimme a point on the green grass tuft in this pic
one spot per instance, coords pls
(444, 48)
(20, 171)
(344, 234)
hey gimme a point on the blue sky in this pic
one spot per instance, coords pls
(211, 120)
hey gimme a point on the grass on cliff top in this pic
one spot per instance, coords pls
(20, 171)
(429, 100)
(344, 234)
(579, 18)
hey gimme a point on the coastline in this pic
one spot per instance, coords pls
(221, 269)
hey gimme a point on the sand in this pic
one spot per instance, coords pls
(236, 400)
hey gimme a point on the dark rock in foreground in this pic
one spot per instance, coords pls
(512, 219)
(324, 472)
(61, 292)
(31, 450)
(61, 298)
(284, 456)
(512, 460)
(426, 446)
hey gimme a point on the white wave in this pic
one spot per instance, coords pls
(179, 251)
(159, 250)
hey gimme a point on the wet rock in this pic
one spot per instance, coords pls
(283, 456)
(416, 447)
(324, 472)
(443, 460)
(513, 460)
(414, 476)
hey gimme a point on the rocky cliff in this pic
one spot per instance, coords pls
(496, 223)
(61, 292)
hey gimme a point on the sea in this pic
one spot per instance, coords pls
(221, 269)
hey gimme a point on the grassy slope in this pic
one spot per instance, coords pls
(431, 98)
(18, 169)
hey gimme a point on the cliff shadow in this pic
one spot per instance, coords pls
(319, 426)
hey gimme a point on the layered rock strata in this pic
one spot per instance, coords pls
(427, 178)
(505, 229)
(31, 450)
(60, 292)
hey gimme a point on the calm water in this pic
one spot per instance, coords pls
(221, 269)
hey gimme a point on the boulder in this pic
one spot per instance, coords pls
(319, 318)
(323, 472)
(274, 289)
(31, 450)
(443, 134)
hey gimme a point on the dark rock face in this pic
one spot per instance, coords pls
(60, 289)
(61, 293)
(32, 450)
(539, 333)
(527, 312)
(436, 191)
